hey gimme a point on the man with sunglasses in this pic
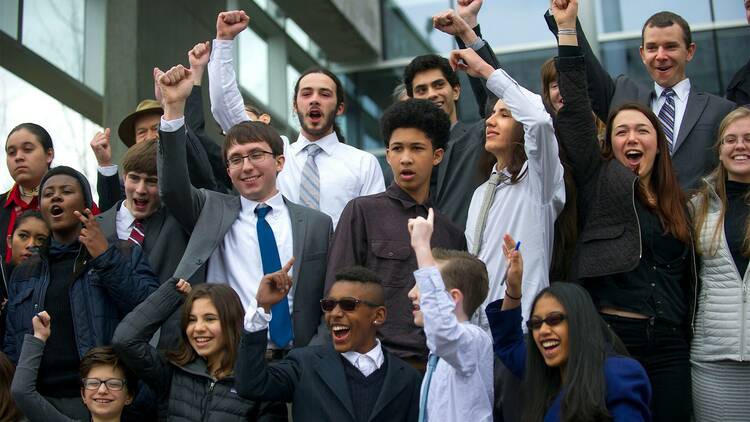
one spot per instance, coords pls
(352, 378)
(241, 238)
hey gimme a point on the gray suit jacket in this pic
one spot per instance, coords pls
(210, 215)
(693, 155)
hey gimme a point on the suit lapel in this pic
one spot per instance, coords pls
(695, 105)
(154, 224)
(456, 133)
(331, 371)
(108, 223)
(299, 233)
(392, 385)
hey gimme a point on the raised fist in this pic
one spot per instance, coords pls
(231, 23)
(565, 12)
(468, 10)
(198, 57)
(469, 61)
(175, 84)
(100, 146)
(41, 325)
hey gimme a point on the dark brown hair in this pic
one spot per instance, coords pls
(665, 20)
(106, 356)
(8, 410)
(518, 153)
(249, 132)
(340, 95)
(670, 200)
(141, 158)
(467, 273)
(231, 315)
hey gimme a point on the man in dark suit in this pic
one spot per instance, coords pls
(431, 77)
(693, 116)
(238, 237)
(355, 380)
(738, 89)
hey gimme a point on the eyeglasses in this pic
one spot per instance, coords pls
(255, 157)
(347, 304)
(734, 141)
(552, 320)
(112, 384)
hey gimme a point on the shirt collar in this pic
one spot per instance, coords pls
(275, 202)
(394, 191)
(327, 143)
(681, 89)
(376, 354)
(124, 215)
(14, 197)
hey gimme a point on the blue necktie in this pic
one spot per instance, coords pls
(431, 364)
(280, 326)
(667, 116)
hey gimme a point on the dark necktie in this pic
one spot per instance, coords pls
(137, 235)
(666, 117)
(280, 327)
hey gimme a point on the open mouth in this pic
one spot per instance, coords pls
(438, 103)
(56, 210)
(315, 115)
(340, 333)
(103, 401)
(201, 341)
(550, 347)
(250, 179)
(740, 157)
(140, 203)
(415, 307)
(633, 157)
(407, 175)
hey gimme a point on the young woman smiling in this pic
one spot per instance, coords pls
(195, 382)
(720, 345)
(573, 367)
(634, 253)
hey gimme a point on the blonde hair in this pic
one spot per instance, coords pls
(719, 176)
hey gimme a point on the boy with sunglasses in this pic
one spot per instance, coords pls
(450, 287)
(353, 379)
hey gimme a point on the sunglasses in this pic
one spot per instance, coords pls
(552, 320)
(347, 304)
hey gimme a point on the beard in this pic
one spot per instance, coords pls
(319, 132)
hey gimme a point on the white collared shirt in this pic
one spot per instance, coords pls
(682, 92)
(237, 261)
(124, 221)
(345, 172)
(367, 363)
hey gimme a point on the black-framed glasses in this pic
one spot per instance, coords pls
(347, 304)
(552, 320)
(112, 384)
(255, 157)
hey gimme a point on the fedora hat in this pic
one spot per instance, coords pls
(127, 127)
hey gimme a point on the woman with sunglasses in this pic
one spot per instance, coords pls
(719, 352)
(573, 367)
(635, 251)
(107, 386)
(195, 382)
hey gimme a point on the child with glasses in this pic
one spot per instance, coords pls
(450, 286)
(353, 378)
(107, 385)
(570, 347)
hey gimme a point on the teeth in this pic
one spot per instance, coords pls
(202, 339)
(740, 157)
(550, 343)
(338, 328)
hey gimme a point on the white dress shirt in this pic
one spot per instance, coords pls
(237, 261)
(124, 222)
(682, 92)
(462, 386)
(345, 172)
(367, 363)
(526, 210)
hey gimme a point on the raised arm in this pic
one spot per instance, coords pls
(227, 105)
(33, 405)
(183, 200)
(601, 86)
(108, 185)
(131, 338)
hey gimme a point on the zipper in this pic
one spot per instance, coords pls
(209, 396)
(638, 223)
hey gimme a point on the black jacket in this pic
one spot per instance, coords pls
(610, 238)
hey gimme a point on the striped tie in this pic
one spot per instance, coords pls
(137, 234)
(309, 191)
(666, 117)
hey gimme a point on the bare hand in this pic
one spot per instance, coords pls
(565, 12)
(183, 287)
(41, 324)
(101, 147)
(175, 85)
(420, 230)
(469, 10)
(274, 287)
(157, 90)
(91, 235)
(514, 270)
(198, 57)
(231, 23)
(453, 24)
(469, 61)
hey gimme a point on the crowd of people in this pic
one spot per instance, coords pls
(580, 255)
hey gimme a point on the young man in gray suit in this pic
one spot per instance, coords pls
(691, 117)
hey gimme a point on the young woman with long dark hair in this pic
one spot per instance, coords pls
(202, 367)
(722, 325)
(573, 367)
(634, 253)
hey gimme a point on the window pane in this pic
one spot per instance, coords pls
(54, 30)
(292, 75)
(407, 28)
(500, 23)
(21, 102)
(9, 17)
(253, 64)
(619, 15)
(729, 10)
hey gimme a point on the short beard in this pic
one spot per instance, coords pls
(317, 133)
